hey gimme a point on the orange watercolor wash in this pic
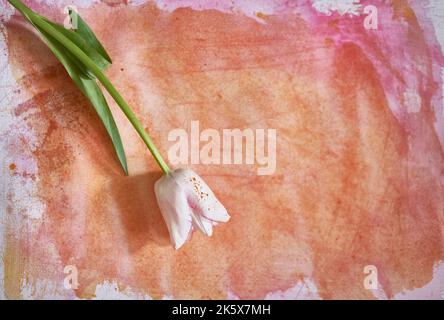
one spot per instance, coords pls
(354, 185)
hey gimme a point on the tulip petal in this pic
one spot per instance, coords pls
(216, 212)
(203, 224)
(175, 210)
(201, 198)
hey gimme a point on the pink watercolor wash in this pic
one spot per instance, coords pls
(359, 152)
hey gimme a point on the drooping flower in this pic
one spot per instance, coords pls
(187, 203)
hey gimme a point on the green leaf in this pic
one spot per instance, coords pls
(86, 33)
(86, 46)
(91, 90)
(83, 37)
(83, 68)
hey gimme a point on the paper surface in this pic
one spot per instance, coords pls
(358, 113)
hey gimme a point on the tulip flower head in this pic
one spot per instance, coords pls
(187, 203)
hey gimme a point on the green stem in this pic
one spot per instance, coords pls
(79, 54)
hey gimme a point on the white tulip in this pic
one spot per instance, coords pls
(186, 202)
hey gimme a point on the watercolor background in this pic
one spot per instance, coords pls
(360, 134)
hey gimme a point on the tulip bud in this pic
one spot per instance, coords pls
(186, 202)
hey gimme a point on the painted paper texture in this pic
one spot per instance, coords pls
(317, 123)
